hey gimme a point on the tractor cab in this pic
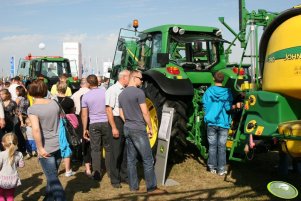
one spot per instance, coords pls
(194, 51)
(49, 67)
(189, 48)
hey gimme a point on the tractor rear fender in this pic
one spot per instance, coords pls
(176, 87)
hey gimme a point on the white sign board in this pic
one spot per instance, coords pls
(106, 66)
(163, 144)
(72, 51)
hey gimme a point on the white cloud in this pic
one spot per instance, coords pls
(72, 38)
(98, 47)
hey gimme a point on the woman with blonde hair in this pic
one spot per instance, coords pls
(10, 159)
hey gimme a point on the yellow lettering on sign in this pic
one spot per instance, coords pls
(292, 56)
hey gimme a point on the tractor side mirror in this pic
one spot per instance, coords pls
(163, 58)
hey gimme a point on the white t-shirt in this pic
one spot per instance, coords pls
(76, 98)
(1, 110)
(12, 91)
(112, 95)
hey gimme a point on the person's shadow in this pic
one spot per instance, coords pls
(28, 185)
(80, 183)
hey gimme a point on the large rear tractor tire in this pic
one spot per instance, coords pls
(156, 99)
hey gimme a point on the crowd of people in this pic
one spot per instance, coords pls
(111, 118)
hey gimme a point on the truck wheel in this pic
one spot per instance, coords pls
(155, 100)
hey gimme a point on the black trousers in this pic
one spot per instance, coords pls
(118, 162)
(83, 152)
(99, 138)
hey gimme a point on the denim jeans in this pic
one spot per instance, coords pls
(137, 142)
(99, 133)
(217, 138)
(54, 188)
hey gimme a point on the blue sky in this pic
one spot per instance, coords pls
(96, 23)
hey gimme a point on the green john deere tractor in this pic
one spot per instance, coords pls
(178, 63)
(51, 67)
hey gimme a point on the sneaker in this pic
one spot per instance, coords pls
(96, 176)
(28, 156)
(69, 173)
(213, 171)
(34, 153)
(157, 191)
(222, 173)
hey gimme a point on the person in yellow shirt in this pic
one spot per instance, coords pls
(63, 78)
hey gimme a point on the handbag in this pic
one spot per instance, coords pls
(71, 135)
(73, 120)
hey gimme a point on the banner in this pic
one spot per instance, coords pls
(12, 67)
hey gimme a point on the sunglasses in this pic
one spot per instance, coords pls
(140, 78)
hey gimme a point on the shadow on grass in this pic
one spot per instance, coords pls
(259, 172)
(255, 174)
(80, 183)
(198, 194)
(29, 185)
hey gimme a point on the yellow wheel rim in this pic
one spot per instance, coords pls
(154, 120)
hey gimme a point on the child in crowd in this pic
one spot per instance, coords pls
(31, 147)
(217, 102)
(10, 159)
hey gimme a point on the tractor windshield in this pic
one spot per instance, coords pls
(131, 51)
(194, 51)
(52, 69)
(23, 68)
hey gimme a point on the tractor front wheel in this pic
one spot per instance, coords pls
(156, 99)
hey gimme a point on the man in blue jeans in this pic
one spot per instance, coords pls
(135, 114)
(217, 101)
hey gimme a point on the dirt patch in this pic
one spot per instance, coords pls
(245, 181)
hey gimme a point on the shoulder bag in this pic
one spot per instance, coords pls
(71, 134)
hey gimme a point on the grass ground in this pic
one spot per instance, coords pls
(245, 181)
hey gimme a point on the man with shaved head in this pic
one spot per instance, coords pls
(117, 139)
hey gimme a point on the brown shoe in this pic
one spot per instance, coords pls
(157, 191)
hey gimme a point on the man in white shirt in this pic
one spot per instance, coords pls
(15, 82)
(118, 160)
(84, 88)
(82, 152)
